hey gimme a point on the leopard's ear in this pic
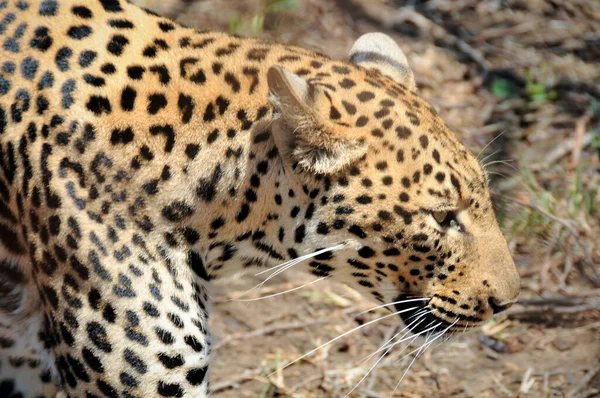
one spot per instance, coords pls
(379, 51)
(304, 132)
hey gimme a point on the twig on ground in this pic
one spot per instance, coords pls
(580, 128)
(554, 312)
(561, 151)
(235, 382)
(495, 33)
(583, 382)
(552, 301)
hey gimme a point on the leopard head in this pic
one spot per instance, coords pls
(405, 202)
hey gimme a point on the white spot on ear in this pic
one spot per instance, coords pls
(379, 51)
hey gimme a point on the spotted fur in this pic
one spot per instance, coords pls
(140, 160)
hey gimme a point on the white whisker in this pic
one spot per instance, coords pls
(370, 369)
(393, 303)
(489, 173)
(383, 347)
(423, 347)
(415, 323)
(505, 162)
(280, 268)
(296, 261)
(482, 161)
(284, 292)
(418, 334)
(304, 257)
(490, 143)
(389, 348)
(340, 336)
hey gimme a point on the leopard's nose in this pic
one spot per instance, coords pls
(498, 306)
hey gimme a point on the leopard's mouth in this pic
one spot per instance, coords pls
(418, 316)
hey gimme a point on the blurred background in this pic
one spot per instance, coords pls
(523, 73)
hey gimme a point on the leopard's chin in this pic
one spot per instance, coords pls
(418, 316)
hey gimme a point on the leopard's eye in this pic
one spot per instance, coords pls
(441, 216)
(446, 219)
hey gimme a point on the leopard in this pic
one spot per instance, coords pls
(142, 160)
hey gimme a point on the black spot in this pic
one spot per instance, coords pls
(403, 132)
(149, 52)
(177, 211)
(207, 189)
(164, 336)
(365, 96)
(120, 24)
(169, 390)
(163, 73)
(358, 264)
(98, 105)
(222, 104)
(135, 72)
(86, 58)
(128, 380)
(171, 362)
(151, 187)
(121, 136)
(365, 283)
(334, 113)
(92, 360)
(41, 40)
(358, 231)
(364, 199)
(243, 213)
(62, 59)
(344, 210)
(212, 137)
(232, 81)
(299, 234)
(156, 103)
(366, 252)
(111, 5)
(48, 8)
(196, 376)
(135, 361)
(96, 81)
(166, 131)
(347, 83)
(79, 32)
(98, 336)
(416, 177)
(186, 106)
(116, 44)
(191, 150)
(166, 26)
(108, 68)
(406, 215)
(29, 67)
(82, 12)
(128, 98)
(391, 253)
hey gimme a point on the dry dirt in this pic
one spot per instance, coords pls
(459, 50)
